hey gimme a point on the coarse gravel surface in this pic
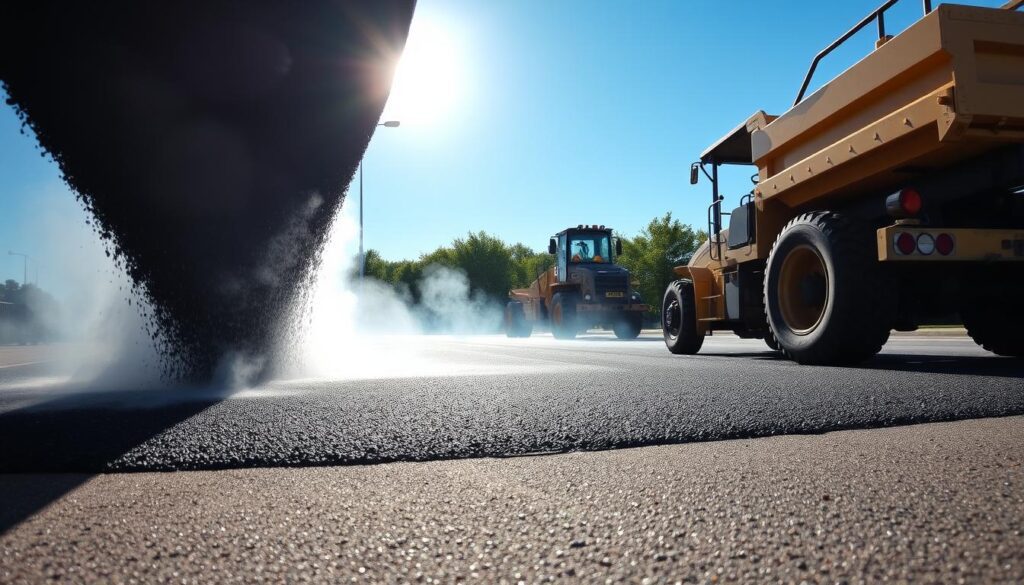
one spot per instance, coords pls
(939, 503)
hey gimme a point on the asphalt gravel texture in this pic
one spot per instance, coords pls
(937, 503)
(494, 397)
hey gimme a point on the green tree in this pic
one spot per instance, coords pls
(375, 266)
(487, 262)
(650, 256)
(528, 264)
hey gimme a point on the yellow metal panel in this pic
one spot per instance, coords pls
(949, 87)
(819, 171)
(875, 72)
(970, 245)
(704, 294)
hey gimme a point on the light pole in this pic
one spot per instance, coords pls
(362, 255)
(24, 277)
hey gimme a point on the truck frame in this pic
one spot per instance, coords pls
(584, 289)
(891, 196)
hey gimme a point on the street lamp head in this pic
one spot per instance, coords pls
(391, 124)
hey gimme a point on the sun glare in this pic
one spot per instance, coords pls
(427, 84)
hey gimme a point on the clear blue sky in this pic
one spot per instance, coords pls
(549, 114)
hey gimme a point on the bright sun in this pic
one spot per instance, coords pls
(427, 82)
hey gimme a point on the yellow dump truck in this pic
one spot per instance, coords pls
(890, 196)
(585, 288)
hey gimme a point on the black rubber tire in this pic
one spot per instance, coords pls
(629, 325)
(860, 304)
(563, 315)
(516, 324)
(679, 319)
(771, 342)
(996, 325)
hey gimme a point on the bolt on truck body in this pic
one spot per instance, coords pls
(890, 196)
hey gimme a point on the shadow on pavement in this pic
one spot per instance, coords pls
(24, 495)
(75, 436)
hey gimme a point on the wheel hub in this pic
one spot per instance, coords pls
(803, 289)
(672, 318)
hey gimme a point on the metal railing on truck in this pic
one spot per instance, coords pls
(879, 16)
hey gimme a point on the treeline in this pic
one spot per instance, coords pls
(28, 314)
(493, 267)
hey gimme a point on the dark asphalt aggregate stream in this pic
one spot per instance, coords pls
(506, 398)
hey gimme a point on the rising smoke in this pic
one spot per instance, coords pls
(377, 328)
(340, 328)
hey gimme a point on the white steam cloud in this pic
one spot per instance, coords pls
(354, 329)
(346, 328)
(101, 325)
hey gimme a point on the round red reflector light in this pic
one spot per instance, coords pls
(944, 244)
(910, 201)
(905, 243)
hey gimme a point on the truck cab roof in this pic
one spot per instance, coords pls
(734, 148)
(585, 228)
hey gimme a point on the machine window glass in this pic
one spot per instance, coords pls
(594, 248)
(561, 258)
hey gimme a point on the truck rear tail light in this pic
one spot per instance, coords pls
(944, 244)
(925, 244)
(905, 243)
(905, 203)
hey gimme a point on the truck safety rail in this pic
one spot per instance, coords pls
(877, 15)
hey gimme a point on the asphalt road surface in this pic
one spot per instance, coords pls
(439, 398)
(946, 501)
(937, 503)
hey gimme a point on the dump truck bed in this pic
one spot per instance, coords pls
(946, 89)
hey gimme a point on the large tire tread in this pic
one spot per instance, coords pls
(997, 333)
(689, 340)
(516, 324)
(860, 323)
(564, 304)
(628, 326)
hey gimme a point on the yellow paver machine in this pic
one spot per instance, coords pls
(892, 195)
(585, 288)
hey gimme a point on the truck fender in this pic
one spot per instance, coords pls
(702, 289)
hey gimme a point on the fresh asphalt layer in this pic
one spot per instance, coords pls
(426, 398)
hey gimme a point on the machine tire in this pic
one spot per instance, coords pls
(991, 326)
(679, 319)
(516, 324)
(826, 296)
(771, 342)
(563, 316)
(629, 325)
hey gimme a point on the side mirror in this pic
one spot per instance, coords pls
(693, 173)
(552, 246)
(618, 247)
